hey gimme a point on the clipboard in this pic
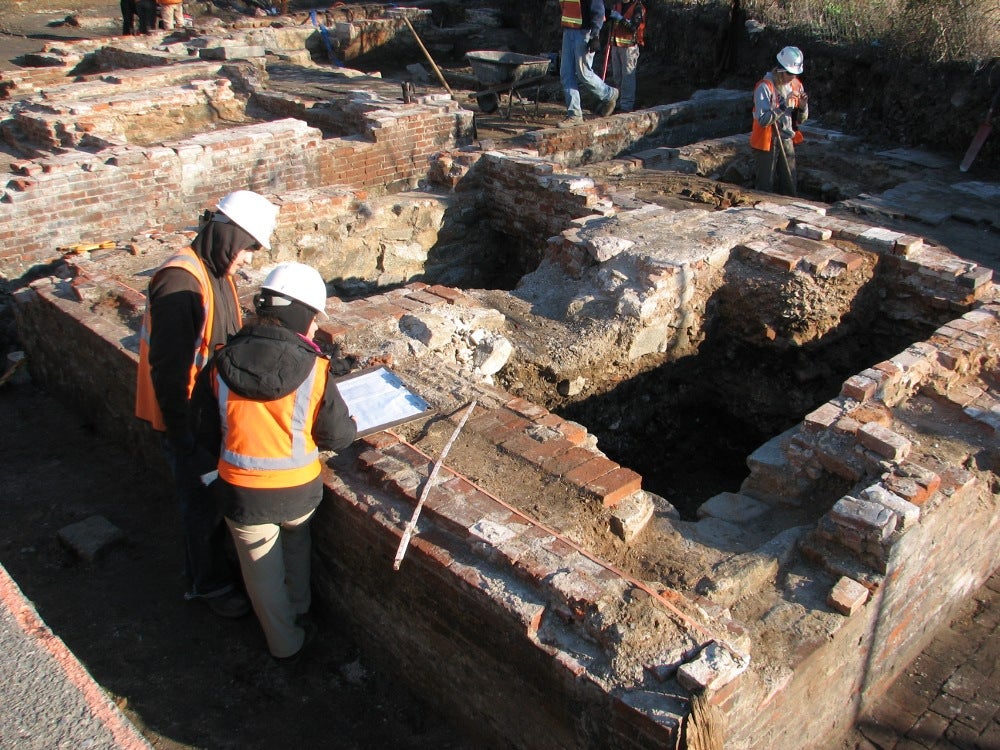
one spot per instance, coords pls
(378, 399)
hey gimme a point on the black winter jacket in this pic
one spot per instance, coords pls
(266, 362)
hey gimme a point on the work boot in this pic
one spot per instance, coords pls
(571, 120)
(232, 604)
(609, 106)
(311, 629)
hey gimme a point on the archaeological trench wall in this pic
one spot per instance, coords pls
(515, 627)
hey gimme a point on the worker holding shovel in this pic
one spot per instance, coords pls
(780, 104)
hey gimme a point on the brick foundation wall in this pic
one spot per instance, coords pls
(458, 630)
(480, 625)
(78, 197)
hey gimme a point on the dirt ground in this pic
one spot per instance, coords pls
(186, 677)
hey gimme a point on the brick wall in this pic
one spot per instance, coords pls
(79, 197)
(709, 114)
(490, 615)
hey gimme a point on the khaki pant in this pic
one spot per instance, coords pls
(275, 562)
(172, 15)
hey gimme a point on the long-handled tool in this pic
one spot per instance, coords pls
(981, 135)
(427, 54)
(325, 35)
(607, 50)
(408, 532)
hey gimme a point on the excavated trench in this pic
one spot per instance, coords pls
(688, 426)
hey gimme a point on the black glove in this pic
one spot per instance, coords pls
(594, 44)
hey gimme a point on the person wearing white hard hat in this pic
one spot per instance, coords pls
(192, 307)
(267, 405)
(780, 105)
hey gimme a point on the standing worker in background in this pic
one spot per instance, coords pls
(780, 104)
(171, 13)
(192, 307)
(581, 37)
(628, 34)
(267, 405)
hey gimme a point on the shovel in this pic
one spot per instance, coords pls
(981, 135)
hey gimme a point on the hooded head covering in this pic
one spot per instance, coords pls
(291, 313)
(219, 242)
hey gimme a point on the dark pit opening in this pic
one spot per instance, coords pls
(689, 426)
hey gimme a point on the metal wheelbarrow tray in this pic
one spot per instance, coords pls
(503, 73)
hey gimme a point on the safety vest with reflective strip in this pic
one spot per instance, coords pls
(760, 136)
(572, 14)
(621, 36)
(269, 444)
(146, 405)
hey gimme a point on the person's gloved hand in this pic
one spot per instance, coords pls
(594, 43)
(615, 16)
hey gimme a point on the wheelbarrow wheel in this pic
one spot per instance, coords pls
(488, 102)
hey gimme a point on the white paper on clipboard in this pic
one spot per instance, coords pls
(377, 399)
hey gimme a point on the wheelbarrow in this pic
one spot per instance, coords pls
(502, 73)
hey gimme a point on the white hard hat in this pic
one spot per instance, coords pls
(252, 212)
(791, 59)
(299, 282)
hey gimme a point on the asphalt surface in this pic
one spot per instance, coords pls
(48, 698)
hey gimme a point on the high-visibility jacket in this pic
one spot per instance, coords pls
(269, 444)
(621, 36)
(146, 405)
(760, 136)
(572, 14)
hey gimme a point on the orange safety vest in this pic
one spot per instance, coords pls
(760, 136)
(621, 36)
(572, 14)
(269, 444)
(146, 405)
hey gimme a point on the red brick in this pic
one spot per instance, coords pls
(859, 388)
(427, 299)
(409, 456)
(615, 486)
(511, 419)
(380, 440)
(883, 441)
(573, 432)
(567, 461)
(850, 261)
(822, 418)
(549, 449)
(499, 434)
(527, 409)
(521, 445)
(483, 422)
(594, 469)
(847, 596)
(447, 293)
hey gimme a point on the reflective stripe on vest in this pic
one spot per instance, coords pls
(269, 444)
(760, 136)
(572, 14)
(146, 405)
(621, 36)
